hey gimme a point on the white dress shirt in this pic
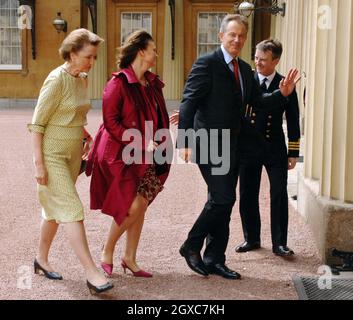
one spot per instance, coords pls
(228, 59)
(269, 78)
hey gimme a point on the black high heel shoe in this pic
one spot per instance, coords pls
(50, 275)
(99, 289)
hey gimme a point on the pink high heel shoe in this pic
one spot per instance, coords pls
(108, 268)
(140, 273)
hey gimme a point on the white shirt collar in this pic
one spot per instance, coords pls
(269, 78)
(227, 57)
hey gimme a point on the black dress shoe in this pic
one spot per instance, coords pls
(282, 251)
(247, 246)
(49, 274)
(193, 260)
(99, 289)
(222, 270)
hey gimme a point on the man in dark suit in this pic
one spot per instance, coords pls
(262, 144)
(219, 86)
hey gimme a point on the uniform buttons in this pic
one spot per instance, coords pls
(269, 124)
(254, 114)
(133, 124)
(268, 137)
(253, 121)
(270, 117)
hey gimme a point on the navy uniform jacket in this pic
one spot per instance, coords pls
(261, 126)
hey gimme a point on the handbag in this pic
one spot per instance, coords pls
(83, 167)
(83, 162)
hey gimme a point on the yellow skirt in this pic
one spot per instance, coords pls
(59, 198)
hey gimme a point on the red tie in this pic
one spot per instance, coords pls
(236, 72)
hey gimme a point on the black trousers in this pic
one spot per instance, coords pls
(213, 222)
(274, 159)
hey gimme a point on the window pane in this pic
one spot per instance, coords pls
(6, 56)
(211, 48)
(16, 54)
(5, 3)
(15, 38)
(13, 18)
(209, 24)
(126, 17)
(202, 50)
(13, 4)
(2, 18)
(5, 37)
(136, 21)
(146, 21)
(203, 20)
(2, 37)
(202, 37)
(5, 18)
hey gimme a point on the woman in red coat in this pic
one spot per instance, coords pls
(133, 110)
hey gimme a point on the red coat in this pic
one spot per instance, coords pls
(114, 184)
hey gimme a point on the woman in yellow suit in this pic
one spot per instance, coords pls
(57, 137)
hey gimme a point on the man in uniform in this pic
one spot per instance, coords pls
(262, 144)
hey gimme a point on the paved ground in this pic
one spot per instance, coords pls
(265, 276)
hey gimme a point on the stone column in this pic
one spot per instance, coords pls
(98, 75)
(337, 170)
(323, 50)
(173, 70)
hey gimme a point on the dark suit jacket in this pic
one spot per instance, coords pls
(265, 126)
(211, 99)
